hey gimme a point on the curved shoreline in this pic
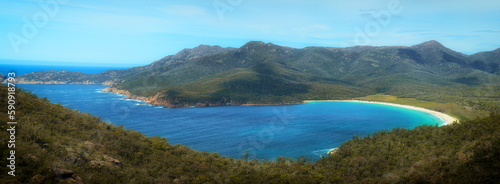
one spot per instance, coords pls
(447, 119)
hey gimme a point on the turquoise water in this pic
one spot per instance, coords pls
(266, 131)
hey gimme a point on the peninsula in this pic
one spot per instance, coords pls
(265, 73)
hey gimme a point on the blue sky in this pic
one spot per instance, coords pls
(132, 33)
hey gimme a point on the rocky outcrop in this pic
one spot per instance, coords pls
(66, 175)
(38, 178)
(157, 100)
(116, 91)
(333, 151)
(106, 161)
(2, 77)
(109, 83)
(153, 100)
(63, 173)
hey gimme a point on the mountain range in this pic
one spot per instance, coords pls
(265, 73)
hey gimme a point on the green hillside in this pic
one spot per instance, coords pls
(487, 61)
(428, 71)
(264, 73)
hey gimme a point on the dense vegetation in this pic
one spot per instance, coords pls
(57, 144)
(468, 152)
(260, 73)
(268, 73)
(462, 112)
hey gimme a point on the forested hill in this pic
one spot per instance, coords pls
(264, 73)
(54, 144)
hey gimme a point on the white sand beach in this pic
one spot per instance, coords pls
(445, 117)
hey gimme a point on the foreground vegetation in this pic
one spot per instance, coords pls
(56, 144)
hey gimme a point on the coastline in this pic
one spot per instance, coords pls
(447, 119)
(156, 101)
(106, 83)
(333, 151)
(260, 104)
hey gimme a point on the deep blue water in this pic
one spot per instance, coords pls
(266, 131)
(23, 69)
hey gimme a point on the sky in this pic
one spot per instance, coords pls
(134, 33)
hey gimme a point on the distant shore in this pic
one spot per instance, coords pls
(155, 101)
(447, 119)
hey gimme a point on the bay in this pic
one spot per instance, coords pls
(266, 132)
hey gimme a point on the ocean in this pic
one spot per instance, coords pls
(23, 69)
(267, 132)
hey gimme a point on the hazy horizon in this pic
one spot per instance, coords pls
(138, 33)
(121, 65)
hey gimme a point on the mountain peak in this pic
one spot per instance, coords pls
(257, 44)
(431, 43)
(203, 46)
(253, 44)
(201, 50)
